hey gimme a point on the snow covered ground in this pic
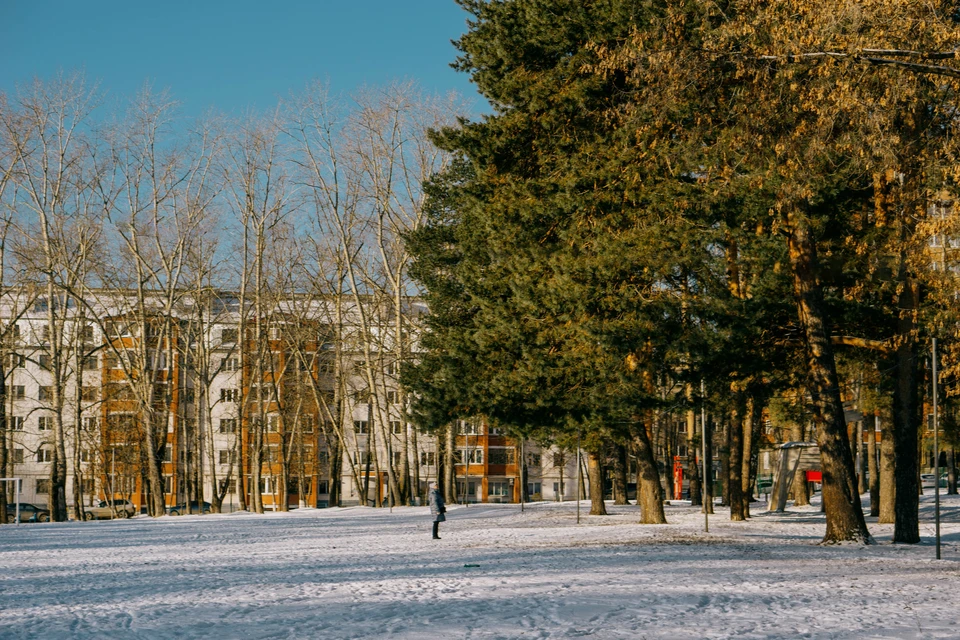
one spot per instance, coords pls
(365, 573)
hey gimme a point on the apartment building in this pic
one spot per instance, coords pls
(306, 410)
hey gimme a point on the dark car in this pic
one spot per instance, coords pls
(28, 513)
(195, 508)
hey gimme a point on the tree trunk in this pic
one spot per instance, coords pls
(800, 488)
(693, 469)
(620, 475)
(951, 471)
(595, 473)
(862, 458)
(449, 471)
(649, 491)
(707, 486)
(725, 463)
(738, 506)
(873, 470)
(751, 445)
(887, 475)
(840, 498)
(906, 421)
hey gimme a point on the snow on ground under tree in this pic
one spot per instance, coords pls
(367, 573)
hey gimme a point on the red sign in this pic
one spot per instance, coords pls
(814, 476)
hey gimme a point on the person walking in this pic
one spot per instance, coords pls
(437, 509)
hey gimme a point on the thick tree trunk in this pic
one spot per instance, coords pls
(862, 458)
(840, 498)
(649, 491)
(906, 419)
(595, 473)
(620, 475)
(873, 469)
(738, 506)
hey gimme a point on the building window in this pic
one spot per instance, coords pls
(44, 455)
(533, 460)
(396, 426)
(428, 458)
(559, 459)
(19, 392)
(86, 486)
(16, 423)
(86, 333)
(228, 486)
(43, 486)
(392, 397)
(43, 360)
(229, 395)
(473, 456)
(90, 423)
(46, 394)
(229, 335)
(90, 363)
(17, 361)
(502, 455)
(230, 364)
(17, 456)
(360, 426)
(88, 394)
(45, 423)
(534, 490)
(228, 425)
(84, 455)
(498, 489)
(226, 456)
(306, 423)
(168, 453)
(469, 427)
(273, 423)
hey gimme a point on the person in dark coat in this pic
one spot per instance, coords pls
(437, 509)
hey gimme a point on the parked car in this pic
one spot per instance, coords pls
(107, 510)
(926, 480)
(28, 512)
(195, 508)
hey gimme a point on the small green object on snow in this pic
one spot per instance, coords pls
(471, 566)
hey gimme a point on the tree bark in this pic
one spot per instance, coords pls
(840, 498)
(906, 419)
(738, 506)
(873, 470)
(595, 473)
(800, 488)
(887, 475)
(620, 474)
(649, 491)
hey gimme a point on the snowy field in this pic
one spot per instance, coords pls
(497, 573)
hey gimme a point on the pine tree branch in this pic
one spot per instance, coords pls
(864, 343)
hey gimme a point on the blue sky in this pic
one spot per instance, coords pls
(234, 55)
